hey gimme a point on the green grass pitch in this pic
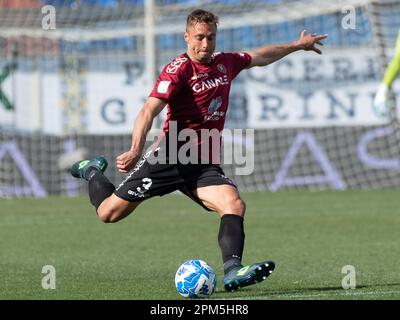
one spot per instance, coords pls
(310, 236)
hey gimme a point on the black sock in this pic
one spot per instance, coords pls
(231, 240)
(90, 173)
(100, 187)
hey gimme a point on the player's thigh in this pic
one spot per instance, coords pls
(115, 208)
(224, 199)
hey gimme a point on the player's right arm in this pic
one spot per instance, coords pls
(165, 89)
(143, 123)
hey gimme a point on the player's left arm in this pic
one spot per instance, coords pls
(391, 73)
(393, 68)
(269, 54)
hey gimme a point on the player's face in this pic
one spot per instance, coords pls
(200, 39)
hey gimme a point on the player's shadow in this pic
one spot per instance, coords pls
(312, 289)
(331, 288)
(267, 293)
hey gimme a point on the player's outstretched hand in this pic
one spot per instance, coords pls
(381, 100)
(127, 160)
(307, 42)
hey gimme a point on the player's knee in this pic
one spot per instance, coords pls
(104, 216)
(108, 216)
(241, 207)
(111, 215)
(113, 210)
(236, 206)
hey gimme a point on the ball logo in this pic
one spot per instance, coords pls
(221, 68)
(195, 279)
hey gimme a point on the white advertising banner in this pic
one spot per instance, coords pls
(112, 104)
(36, 101)
(303, 89)
(309, 90)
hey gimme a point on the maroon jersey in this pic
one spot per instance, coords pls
(197, 94)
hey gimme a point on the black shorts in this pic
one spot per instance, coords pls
(147, 180)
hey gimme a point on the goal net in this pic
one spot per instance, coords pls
(74, 74)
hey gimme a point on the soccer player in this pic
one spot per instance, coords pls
(391, 73)
(195, 88)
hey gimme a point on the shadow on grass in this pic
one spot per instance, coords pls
(249, 292)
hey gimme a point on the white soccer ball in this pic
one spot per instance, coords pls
(195, 279)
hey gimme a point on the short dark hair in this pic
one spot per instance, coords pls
(201, 16)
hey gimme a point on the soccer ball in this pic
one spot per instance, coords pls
(195, 279)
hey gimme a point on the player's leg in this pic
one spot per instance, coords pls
(109, 207)
(229, 203)
(113, 208)
(146, 180)
(225, 200)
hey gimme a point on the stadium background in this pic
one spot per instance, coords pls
(74, 91)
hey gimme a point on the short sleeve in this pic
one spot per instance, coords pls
(167, 85)
(239, 62)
